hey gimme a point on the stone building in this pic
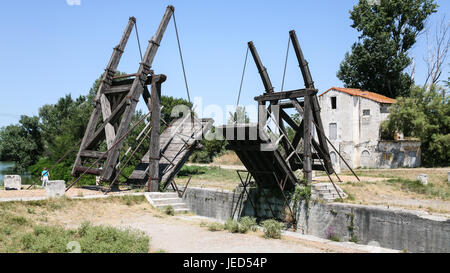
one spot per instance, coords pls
(352, 120)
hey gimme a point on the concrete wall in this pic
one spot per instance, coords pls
(213, 203)
(396, 229)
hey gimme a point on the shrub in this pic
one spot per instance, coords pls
(169, 210)
(232, 226)
(215, 227)
(246, 224)
(272, 229)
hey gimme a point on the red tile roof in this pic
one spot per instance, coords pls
(365, 94)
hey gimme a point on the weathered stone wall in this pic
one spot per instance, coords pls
(397, 154)
(396, 229)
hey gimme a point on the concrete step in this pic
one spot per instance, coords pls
(174, 206)
(159, 195)
(159, 201)
(326, 191)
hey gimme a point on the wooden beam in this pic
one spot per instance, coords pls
(92, 154)
(154, 177)
(115, 115)
(307, 137)
(289, 120)
(81, 169)
(118, 89)
(286, 95)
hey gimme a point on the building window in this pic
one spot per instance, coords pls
(333, 103)
(366, 112)
(333, 131)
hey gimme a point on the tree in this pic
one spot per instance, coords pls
(388, 30)
(424, 115)
(168, 104)
(21, 143)
(240, 116)
(437, 53)
(63, 125)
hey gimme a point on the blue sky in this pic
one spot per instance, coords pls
(49, 48)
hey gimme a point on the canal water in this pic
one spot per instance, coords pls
(5, 168)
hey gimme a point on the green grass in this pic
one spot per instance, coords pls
(192, 170)
(91, 239)
(213, 177)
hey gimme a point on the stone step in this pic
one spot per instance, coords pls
(175, 206)
(159, 201)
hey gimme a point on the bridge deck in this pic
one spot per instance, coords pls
(262, 160)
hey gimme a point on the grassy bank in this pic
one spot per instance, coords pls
(208, 177)
(25, 227)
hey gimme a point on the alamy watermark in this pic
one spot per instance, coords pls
(73, 2)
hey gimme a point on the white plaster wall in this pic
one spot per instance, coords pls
(355, 133)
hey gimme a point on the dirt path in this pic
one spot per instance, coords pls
(183, 233)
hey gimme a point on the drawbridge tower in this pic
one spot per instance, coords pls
(269, 155)
(110, 122)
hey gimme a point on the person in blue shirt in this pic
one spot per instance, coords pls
(45, 175)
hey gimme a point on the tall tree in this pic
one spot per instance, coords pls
(21, 143)
(388, 28)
